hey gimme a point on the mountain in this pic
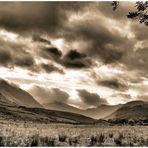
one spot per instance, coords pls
(15, 95)
(4, 101)
(60, 116)
(22, 113)
(59, 106)
(132, 110)
(96, 113)
(102, 111)
(17, 104)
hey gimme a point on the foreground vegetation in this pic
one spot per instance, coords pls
(36, 134)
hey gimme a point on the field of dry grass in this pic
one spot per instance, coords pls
(37, 134)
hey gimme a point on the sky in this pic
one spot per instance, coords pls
(79, 53)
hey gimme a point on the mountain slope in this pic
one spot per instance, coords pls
(102, 111)
(16, 95)
(96, 113)
(59, 106)
(18, 107)
(132, 110)
(41, 115)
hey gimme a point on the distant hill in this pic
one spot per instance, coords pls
(59, 106)
(132, 110)
(102, 111)
(16, 104)
(15, 95)
(21, 113)
(97, 113)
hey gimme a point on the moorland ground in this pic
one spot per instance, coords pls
(56, 134)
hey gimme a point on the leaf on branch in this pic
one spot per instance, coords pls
(115, 5)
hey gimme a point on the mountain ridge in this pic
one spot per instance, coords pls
(17, 95)
(135, 110)
(99, 112)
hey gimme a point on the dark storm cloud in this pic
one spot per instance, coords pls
(75, 59)
(38, 38)
(37, 16)
(5, 58)
(113, 84)
(103, 40)
(110, 55)
(26, 61)
(47, 95)
(140, 31)
(91, 98)
(14, 54)
(53, 51)
(137, 60)
(52, 18)
(72, 59)
(101, 43)
(74, 54)
(51, 68)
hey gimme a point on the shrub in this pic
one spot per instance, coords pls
(62, 138)
(131, 122)
(35, 141)
(48, 141)
(93, 140)
(111, 135)
(101, 139)
(1, 141)
(119, 140)
(73, 141)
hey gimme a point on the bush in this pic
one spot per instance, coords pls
(101, 139)
(119, 140)
(1, 142)
(46, 141)
(131, 122)
(111, 135)
(35, 141)
(73, 141)
(62, 138)
(97, 140)
(93, 140)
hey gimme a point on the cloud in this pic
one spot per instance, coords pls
(52, 53)
(75, 59)
(91, 99)
(38, 38)
(14, 54)
(72, 59)
(27, 17)
(47, 95)
(5, 58)
(74, 54)
(113, 84)
(137, 60)
(26, 61)
(122, 96)
(142, 97)
(101, 42)
(51, 68)
(54, 19)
